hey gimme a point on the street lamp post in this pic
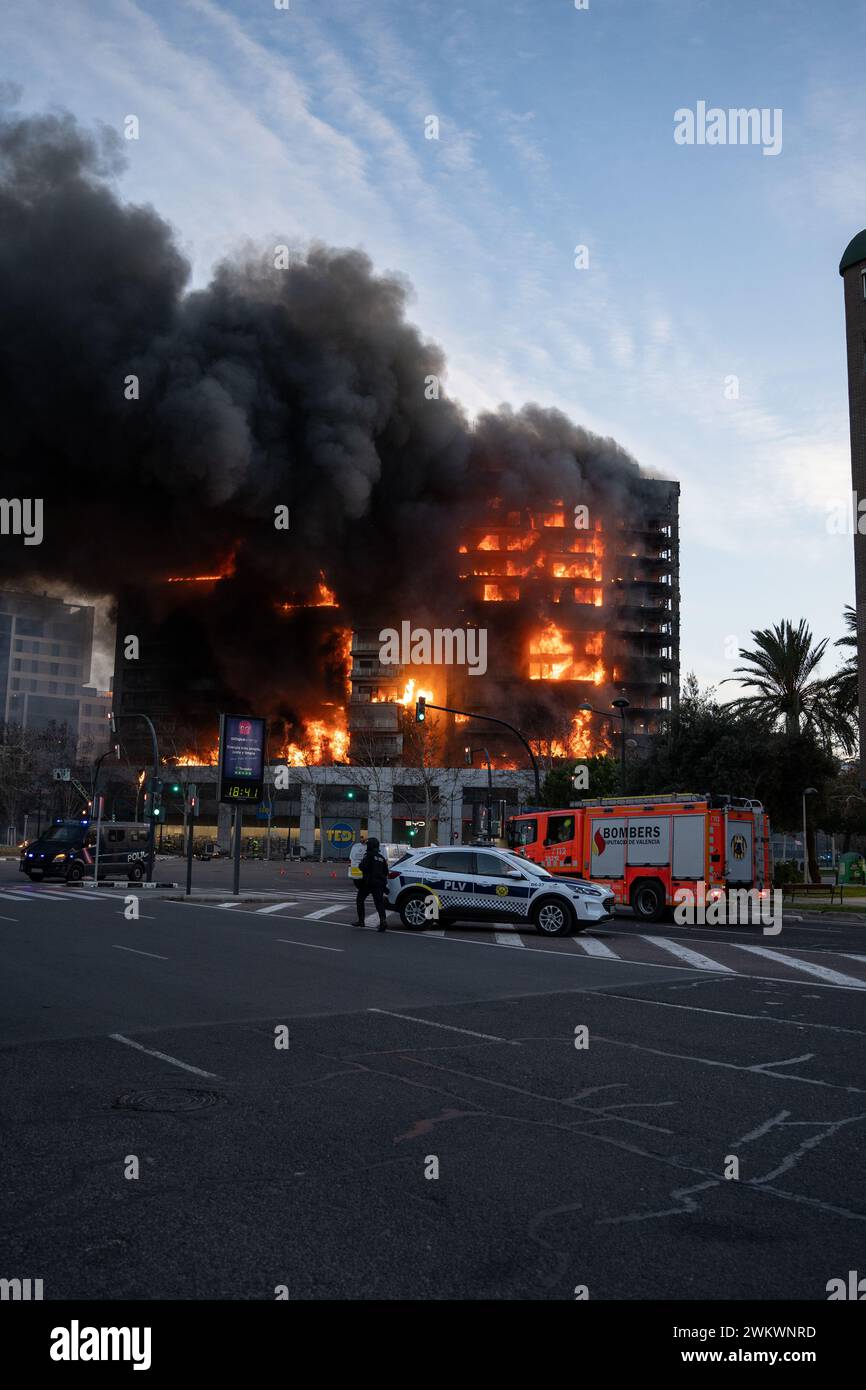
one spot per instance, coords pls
(151, 842)
(470, 752)
(99, 761)
(807, 872)
(620, 705)
(422, 705)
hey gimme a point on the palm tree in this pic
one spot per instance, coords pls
(781, 668)
(844, 682)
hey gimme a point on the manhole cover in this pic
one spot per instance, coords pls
(177, 1100)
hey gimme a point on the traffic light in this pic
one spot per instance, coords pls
(420, 709)
(467, 753)
(175, 786)
(350, 795)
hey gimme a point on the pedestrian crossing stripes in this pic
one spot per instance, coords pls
(33, 895)
(614, 943)
(821, 972)
(592, 947)
(695, 958)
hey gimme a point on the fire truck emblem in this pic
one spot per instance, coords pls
(599, 842)
(738, 847)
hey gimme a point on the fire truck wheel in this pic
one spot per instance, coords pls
(648, 901)
(75, 873)
(553, 917)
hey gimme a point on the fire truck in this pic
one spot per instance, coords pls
(646, 848)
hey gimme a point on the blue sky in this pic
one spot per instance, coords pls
(556, 129)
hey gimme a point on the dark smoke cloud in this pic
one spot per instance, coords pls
(302, 387)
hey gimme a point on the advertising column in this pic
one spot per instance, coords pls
(241, 772)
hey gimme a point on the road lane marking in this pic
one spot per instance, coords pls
(163, 1056)
(593, 947)
(8, 919)
(509, 938)
(323, 911)
(139, 953)
(309, 944)
(821, 972)
(693, 958)
(274, 907)
(448, 1027)
(728, 1013)
(542, 950)
(226, 904)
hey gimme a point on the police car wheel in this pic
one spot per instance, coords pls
(551, 917)
(136, 872)
(412, 911)
(75, 874)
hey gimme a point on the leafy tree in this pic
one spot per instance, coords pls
(557, 789)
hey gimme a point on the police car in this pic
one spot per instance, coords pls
(491, 885)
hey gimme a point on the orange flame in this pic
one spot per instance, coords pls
(226, 571)
(323, 597)
(323, 743)
(410, 694)
(551, 657)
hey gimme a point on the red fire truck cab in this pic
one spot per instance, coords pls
(647, 847)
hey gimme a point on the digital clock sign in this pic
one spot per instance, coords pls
(242, 759)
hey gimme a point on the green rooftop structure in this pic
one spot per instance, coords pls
(855, 252)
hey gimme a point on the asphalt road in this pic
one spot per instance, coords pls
(150, 1043)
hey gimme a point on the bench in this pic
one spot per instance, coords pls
(812, 890)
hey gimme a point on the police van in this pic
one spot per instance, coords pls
(392, 852)
(67, 850)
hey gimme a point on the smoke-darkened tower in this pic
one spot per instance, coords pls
(852, 268)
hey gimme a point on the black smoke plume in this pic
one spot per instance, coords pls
(301, 387)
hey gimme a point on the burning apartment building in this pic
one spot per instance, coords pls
(172, 427)
(576, 607)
